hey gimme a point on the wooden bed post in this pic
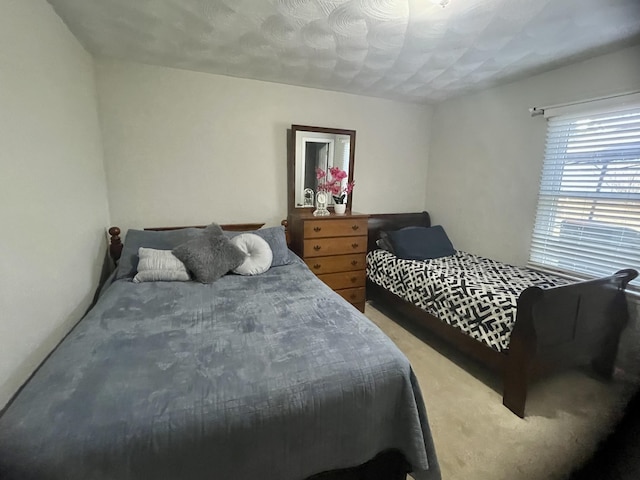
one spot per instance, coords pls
(287, 234)
(115, 244)
(516, 378)
(518, 364)
(604, 362)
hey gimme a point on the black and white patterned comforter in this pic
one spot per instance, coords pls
(472, 293)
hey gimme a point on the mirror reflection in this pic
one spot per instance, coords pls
(319, 148)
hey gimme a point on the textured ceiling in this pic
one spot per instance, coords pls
(412, 50)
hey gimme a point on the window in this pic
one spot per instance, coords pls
(588, 217)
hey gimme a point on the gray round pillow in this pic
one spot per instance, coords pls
(258, 254)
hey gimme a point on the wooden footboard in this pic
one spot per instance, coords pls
(560, 327)
(567, 326)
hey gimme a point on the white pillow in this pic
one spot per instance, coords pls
(159, 266)
(258, 254)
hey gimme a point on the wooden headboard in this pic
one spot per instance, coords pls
(394, 221)
(115, 244)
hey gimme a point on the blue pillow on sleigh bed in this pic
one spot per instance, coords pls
(421, 243)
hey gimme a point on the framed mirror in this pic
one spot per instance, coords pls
(311, 148)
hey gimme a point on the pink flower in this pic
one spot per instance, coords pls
(337, 173)
(349, 187)
(333, 183)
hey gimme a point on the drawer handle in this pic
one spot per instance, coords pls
(354, 245)
(317, 247)
(317, 265)
(317, 229)
(354, 279)
(354, 262)
(355, 227)
(353, 296)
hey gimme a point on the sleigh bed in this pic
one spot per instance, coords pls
(553, 323)
(271, 376)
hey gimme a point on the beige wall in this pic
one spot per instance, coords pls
(486, 153)
(186, 148)
(53, 208)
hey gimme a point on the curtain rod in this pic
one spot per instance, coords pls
(535, 111)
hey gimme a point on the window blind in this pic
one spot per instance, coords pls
(588, 216)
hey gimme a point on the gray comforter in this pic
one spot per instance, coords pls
(265, 377)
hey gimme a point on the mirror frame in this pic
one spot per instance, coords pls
(291, 163)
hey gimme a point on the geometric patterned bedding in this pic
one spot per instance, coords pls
(474, 294)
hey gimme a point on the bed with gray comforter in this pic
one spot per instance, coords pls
(272, 377)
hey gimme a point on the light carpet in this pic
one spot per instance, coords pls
(477, 438)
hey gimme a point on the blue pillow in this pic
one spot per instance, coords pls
(421, 243)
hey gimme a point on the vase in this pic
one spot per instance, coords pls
(340, 208)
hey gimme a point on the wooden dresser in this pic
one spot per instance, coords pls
(334, 247)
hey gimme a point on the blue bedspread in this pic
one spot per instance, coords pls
(272, 377)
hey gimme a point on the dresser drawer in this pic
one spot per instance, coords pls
(339, 263)
(342, 227)
(360, 306)
(353, 295)
(334, 246)
(341, 280)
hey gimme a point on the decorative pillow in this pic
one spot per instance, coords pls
(421, 243)
(276, 239)
(159, 266)
(384, 242)
(258, 254)
(214, 228)
(167, 240)
(209, 256)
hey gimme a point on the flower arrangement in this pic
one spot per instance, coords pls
(333, 183)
